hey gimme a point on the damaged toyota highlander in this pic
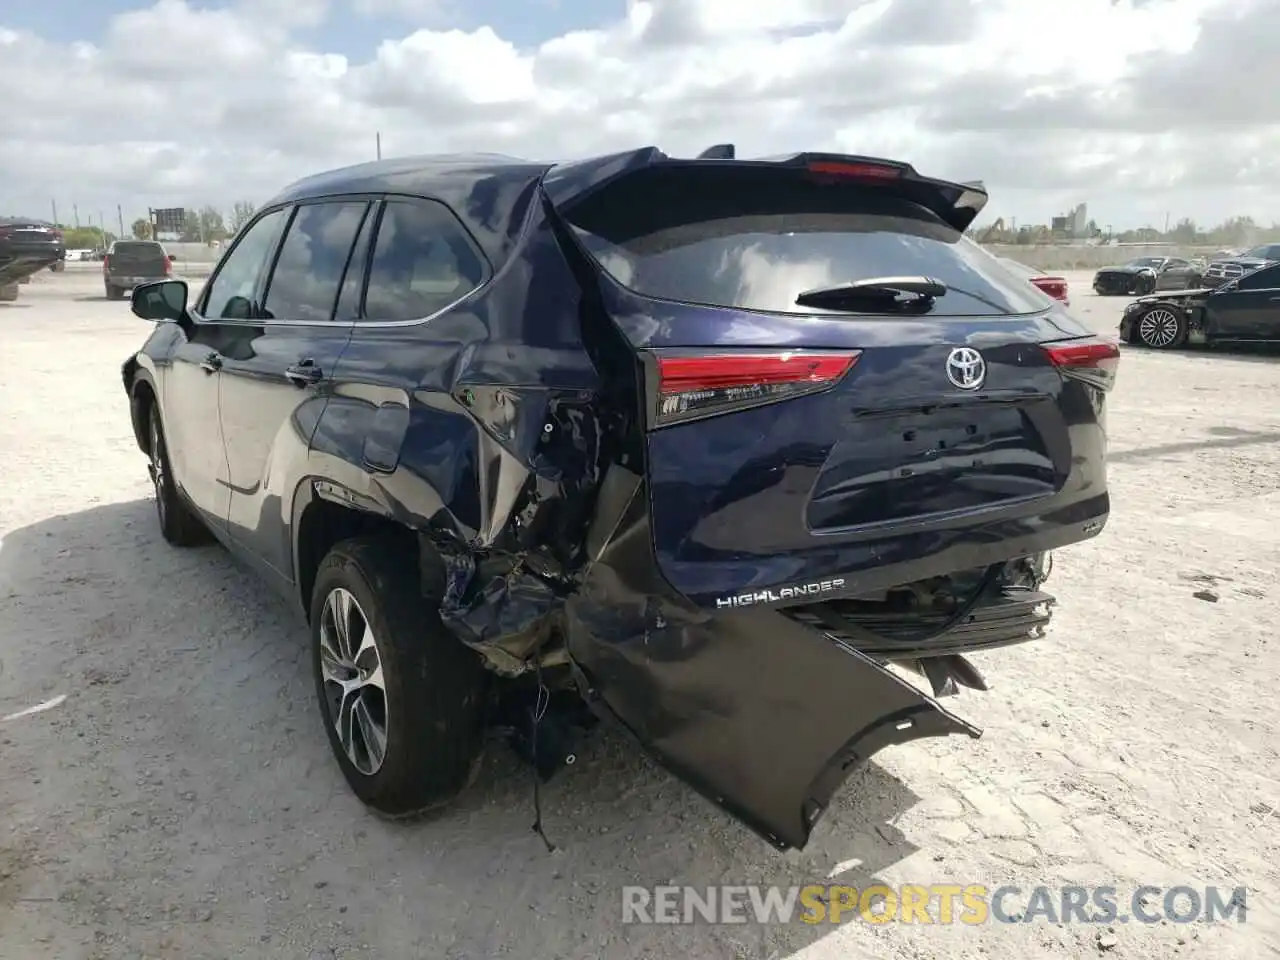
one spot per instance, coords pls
(744, 455)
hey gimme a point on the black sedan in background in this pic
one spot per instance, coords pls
(27, 246)
(1242, 310)
(1147, 275)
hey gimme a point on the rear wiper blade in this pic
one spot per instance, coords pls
(876, 292)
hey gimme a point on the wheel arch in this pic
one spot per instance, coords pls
(324, 514)
(143, 401)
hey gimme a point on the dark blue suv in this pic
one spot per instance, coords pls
(712, 447)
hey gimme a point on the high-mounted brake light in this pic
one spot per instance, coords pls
(699, 386)
(855, 171)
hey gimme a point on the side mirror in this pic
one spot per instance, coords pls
(173, 258)
(164, 301)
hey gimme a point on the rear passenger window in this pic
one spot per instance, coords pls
(422, 263)
(313, 258)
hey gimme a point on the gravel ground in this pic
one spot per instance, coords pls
(181, 800)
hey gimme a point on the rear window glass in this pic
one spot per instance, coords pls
(138, 249)
(755, 242)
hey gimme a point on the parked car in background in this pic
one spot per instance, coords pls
(129, 263)
(27, 246)
(1054, 286)
(702, 445)
(1225, 269)
(1147, 275)
(1244, 309)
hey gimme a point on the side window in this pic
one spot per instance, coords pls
(1173, 263)
(304, 283)
(1268, 278)
(422, 262)
(348, 308)
(230, 294)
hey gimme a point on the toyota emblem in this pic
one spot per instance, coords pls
(966, 368)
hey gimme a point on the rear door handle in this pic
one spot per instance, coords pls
(303, 373)
(211, 363)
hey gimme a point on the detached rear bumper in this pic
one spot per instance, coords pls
(762, 714)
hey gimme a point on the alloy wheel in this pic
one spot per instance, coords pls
(355, 691)
(1158, 327)
(159, 478)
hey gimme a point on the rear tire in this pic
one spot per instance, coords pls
(9, 292)
(413, 743)
(1161, 327)
(113, 293)
(179, 524)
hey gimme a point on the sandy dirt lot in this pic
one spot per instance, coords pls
(181, 800)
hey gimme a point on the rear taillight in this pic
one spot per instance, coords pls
(105, 260)
(57, 234)
(1055, 287)
(1095, 359)
(873, 172)
(691, 387)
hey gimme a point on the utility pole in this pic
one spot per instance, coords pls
(1166, 222)
(54, 204)
(75, 213)
(102, 226)
(120, 217)
(378, 136)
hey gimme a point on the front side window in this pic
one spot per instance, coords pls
(313, 258)
(232, 291)
(422, 262)
(1268, 278)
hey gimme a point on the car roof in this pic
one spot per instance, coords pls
(486, 191)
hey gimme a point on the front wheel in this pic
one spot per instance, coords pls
(179, 524)
(401, 699)
(1161, 328)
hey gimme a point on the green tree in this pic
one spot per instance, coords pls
(211, 224)
(242, 212)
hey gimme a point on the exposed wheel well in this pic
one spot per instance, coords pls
(324, 523)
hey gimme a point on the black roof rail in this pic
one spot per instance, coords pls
(721, 151)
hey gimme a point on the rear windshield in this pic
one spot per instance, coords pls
(138, 249)
(752, 240)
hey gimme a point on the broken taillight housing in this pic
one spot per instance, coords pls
(1093, 359)
(692, 387)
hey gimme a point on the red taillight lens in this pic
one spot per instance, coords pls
(1055, 287)
(105, 260)
(856, 171)
(57, 234)
(1094, 359)
(698, 386)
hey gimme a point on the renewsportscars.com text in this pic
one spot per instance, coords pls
(937, 903)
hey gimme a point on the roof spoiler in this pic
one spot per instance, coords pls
(956, 204)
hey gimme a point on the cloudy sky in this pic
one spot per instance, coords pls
(1141, 108)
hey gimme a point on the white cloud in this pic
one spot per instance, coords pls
(1138, 108)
